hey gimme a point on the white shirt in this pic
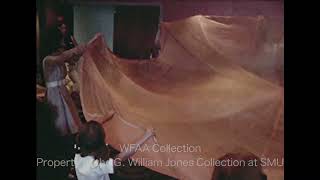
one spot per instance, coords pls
(87, 168)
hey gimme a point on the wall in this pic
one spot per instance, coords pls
(174, 10)
(91, 19)
(178, 9)
(93, 16)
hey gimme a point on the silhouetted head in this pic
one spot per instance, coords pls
(63, 29)
(62, 26)
(242, 166)
(91, 141)
(54, 41)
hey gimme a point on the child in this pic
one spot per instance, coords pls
(93, 161)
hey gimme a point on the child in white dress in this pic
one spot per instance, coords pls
(93, 161)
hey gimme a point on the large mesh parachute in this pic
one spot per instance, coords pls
(217, 85)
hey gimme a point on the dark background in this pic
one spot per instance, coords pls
(135, 29)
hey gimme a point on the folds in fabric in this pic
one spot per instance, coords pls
(210, 87)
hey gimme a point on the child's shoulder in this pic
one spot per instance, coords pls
(78, 157)
(89, 158)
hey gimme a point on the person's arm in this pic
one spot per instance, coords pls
(130, 151)
(74, 41)
(73, 74)
(67, 55)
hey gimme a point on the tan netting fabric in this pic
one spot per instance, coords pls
(216, 85)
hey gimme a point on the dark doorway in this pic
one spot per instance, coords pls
(135, 31)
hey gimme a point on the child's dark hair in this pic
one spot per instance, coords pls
(91, 142)
(53, 40)
(243, 172)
